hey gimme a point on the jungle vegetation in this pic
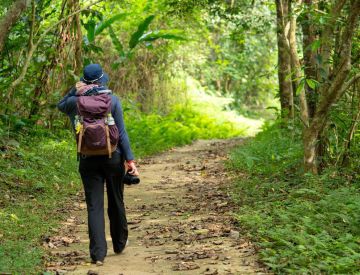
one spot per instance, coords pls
(291, 63)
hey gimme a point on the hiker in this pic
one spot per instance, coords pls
(89, 95)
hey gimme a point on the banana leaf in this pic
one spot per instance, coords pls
(143, 26)
(107, 23)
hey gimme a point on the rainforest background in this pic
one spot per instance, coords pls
(285, 70)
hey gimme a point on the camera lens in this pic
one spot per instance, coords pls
(130, 179)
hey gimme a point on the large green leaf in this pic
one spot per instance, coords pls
(117, 43)
(107, 23)
(312, 83)
(90, 28)
(300, 87)
(95, 49)
(163, 34)
(143, 26)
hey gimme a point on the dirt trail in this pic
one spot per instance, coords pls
(180, 221)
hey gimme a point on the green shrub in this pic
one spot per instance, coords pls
(302, 223)
(272, 153)
(154, 133)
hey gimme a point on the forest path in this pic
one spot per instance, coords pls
(180, 221)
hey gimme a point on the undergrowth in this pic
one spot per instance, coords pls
(301, 223)
(152, 133)
(39, 174)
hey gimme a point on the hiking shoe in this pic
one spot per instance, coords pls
(119, 252)
(99, 263)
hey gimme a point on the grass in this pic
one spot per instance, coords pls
(38, 175)
(302, 224)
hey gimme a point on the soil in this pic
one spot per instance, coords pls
(181, 221)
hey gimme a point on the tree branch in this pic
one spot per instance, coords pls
(350, 82)
(35, 46)
(351, 22)
(326, 36)
(32, 24)
(10, 18)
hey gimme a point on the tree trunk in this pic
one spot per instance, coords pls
(309, 37)
(352, 128)
(78, 40)
(39, 88)
(284, 61)
(327, 36)
(296, 69)
(10, 18)
(310, 138)
(345, 157)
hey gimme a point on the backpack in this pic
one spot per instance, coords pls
(96, 131)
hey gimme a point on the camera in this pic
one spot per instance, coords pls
(130, 179)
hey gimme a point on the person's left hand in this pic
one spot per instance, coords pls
(131, 168)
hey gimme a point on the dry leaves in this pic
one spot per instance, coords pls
(185, 266)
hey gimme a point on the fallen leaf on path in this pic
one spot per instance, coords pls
(202, 231)
(67, 240)
(171, 252)
(134, 222)
(185, 266)
(210, 271)
(234, 234)
(152, 258)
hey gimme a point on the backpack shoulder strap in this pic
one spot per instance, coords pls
(107, 91)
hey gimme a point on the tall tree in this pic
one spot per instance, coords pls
(326, 72)
(336, 80)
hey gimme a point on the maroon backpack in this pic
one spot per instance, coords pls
(96, 131)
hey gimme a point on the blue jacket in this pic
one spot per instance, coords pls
(68, 106)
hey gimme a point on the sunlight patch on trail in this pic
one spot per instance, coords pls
(216, 107)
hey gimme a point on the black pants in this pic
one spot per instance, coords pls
(94, 172)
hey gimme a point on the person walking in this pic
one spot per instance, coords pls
(107, 167)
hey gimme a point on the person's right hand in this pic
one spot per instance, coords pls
(131, 168)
